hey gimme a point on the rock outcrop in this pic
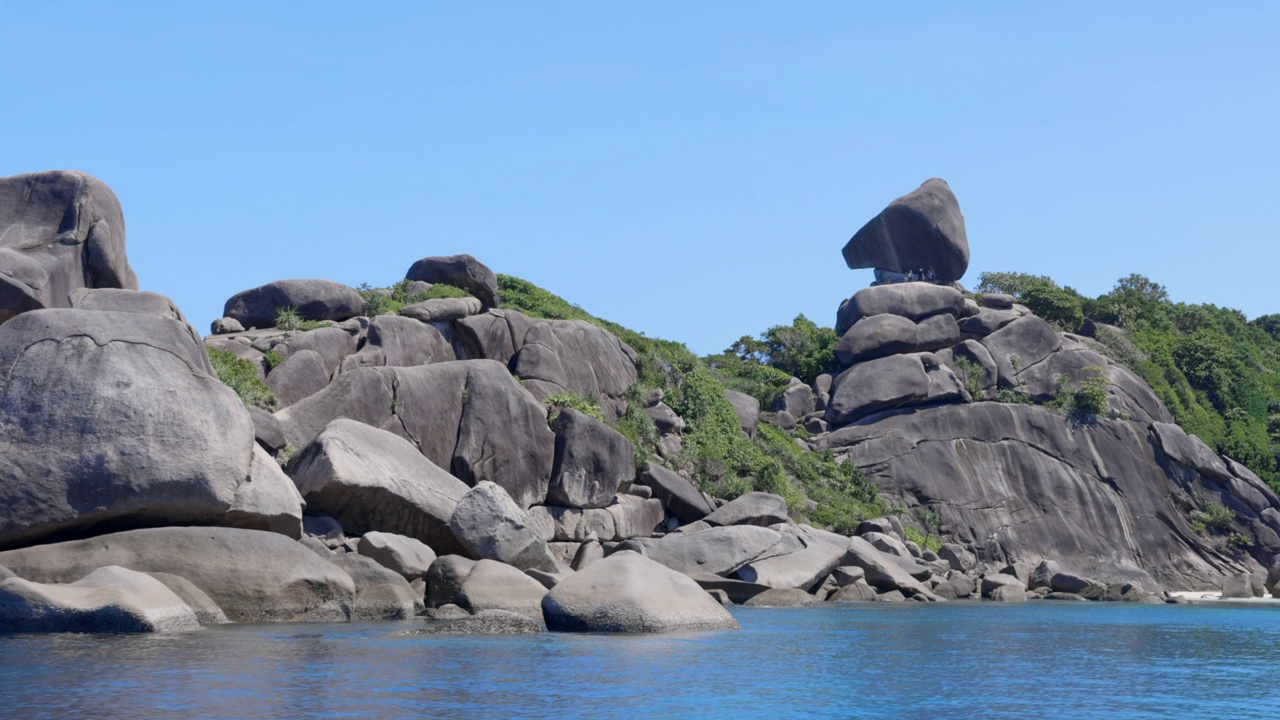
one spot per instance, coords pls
(110, 599)
(922, 230)
(312, 299)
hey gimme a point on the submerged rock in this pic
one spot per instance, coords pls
(109, 599)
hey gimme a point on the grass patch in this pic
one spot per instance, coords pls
(287, 318)
(585, 404)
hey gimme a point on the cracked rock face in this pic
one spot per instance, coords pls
(1022, 484)
(113, 418)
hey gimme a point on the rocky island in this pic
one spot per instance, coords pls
(467, 447)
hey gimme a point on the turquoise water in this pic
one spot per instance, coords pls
(856, 661)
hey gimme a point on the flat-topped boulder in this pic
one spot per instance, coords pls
(460, 271)
(914, 301)
(443, 309)
(122, 300)
(59, 231)
(313, 299)
(717, 550)
(253, 576)
(628, 593)
(922, 230)
(881, 335)
(892, 382)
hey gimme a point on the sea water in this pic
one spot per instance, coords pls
(874, 660)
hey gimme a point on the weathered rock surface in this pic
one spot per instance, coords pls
(591, 461)
(381, 594)
(629, 593)
(372, 480)
(881, 335)
(821, 554)
(313, 299)
(754, 508)
(300, 376)
(680, 497)
(113, 418)
(121, 300)
(403, 342)
(267, 500)
(493, 585)
(469, 417)
(490, 525)
(573, 356)
(883, 572)
(59, 231)
(922, 230)
(718, 551)
(109, 599)
(748, 410)
(485, 622)
(404, 555)
(253, 576)
(1020, 483)
(443, 309)
(892, 382)
(460, 271)
(914, 301)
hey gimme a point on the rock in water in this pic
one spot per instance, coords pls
(113, 417)
(109, 599)
(628, 593)
(59, 231)
(253, 576)
(490, 525)
(923, 230)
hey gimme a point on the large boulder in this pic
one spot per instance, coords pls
(718, 550)
(381, 593)
(300, 376)
(59, 231)
(489, 524)
(404, 555)
(372, 480)
(1019, 483)
(266, 500)
(131, 301)
(253, 576)
(922, 230)
(591, 461)
(747, 409)
(754, 508)
(913, 301)
(454, 412)
(629, 593)
(491, 585)
(460, 271)
(113, 418)
(442, 309)
(821, 553)
(109, 599)
(680, 496)
(404, 342)
(574, 356)
(892, 382)
(883, 571)
(1020, 345)
(493, 335)
(313, 299)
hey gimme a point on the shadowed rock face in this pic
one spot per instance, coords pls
(59, 231)
(923, 230)
(1022, 484)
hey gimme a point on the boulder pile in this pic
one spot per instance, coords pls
(424, 461)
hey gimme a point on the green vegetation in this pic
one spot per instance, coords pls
(289, 319)
(272, 359)
(801, 349)
(1213, 516)
(1087, 401)
(926, 542)
(715, 452)
(239, 375)
(973, 375)
(393, 299)
(1217, 372)
(584, 404)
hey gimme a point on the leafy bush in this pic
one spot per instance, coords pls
(287, 318)
(1089, 400)
(973, 375)
(1213, 516)
(801, 349)
(239, 375)
(380, 301)
(926, 542)
(585, 404)
(272, 359)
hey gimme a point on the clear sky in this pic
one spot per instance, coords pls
(690, 170)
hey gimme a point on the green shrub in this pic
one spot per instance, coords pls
(272, 359)
(585, 404)
(381, 301)
(801, 349)
(1087, 401)
(239, 375)
(1213, 516)
(926, 542)
(287, 318)
(973, 375)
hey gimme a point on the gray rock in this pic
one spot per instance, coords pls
(803, 569)
(754, 508)
(876, 336)
(797, 400)
(130, 301)
(485, 622)
(443, 309)
(300, 376)
(445, 578)
(460, 271)
(747, 409)
(381, 594)
(997, 301)
(494, 586)
(110, 599)
(267, 500)
(404, 342)
(451, 412)
(59, 231)
(404, 555)
(629, 593)
(573, 356)
(922, 230)
(635, 516)
(1020, 345)
(976, 353)
(987, 321)
(206, 610)
(588, 553)
(1071, 583)
(680, 497)
(591, 461)
(1239, 585)
(856, 591)
(882, 571)
(718, 551)
(892, 382)
(226, 325)
(1008, 593)
(493, 335)
(666, 419)
(822, 389)
(737, 591)
(936, 333)
(914, 301)
(490, 525)
(333, 344)
(880, 525)
(267, 430)
(670, 446)
(1042, 576)
(253, 576)
(1071, 597)
(997, 580)
(1272, 582)
(371, 480)
(956, 587)
(781, 598)
(312, 299)
(110, 417)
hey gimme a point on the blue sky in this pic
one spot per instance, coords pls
(690, 170)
